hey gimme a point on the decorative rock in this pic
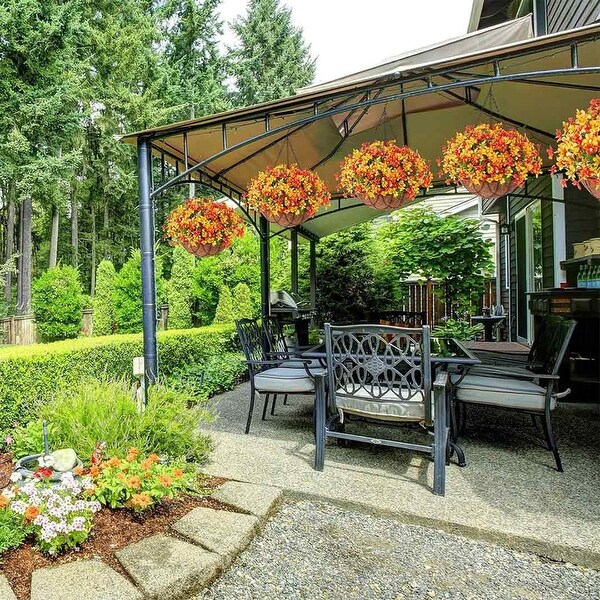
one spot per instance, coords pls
(81, 580)
(259, 500)
(225, 533)
(6, 592)
(165, 567)
(64, 460)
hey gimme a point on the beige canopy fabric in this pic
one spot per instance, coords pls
(420, 99)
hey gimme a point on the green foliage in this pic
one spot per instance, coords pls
(12, 530)
(242, 302)
(106, 411)
(31, 376)
(224, 312)
(216, 375)
(104, 301)
(450, 249)
(272, 60)
(179, 289)
(57, 302)
(457, 329)
(128, 293)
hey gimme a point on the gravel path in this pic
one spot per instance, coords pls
(319, 551)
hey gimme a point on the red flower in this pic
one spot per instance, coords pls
(43, 473)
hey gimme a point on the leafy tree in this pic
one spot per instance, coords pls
(128, 293)
(242, 302)
(104, 300)
(450, 249)
(272, 59)
(179, 289)
(224, 312)
(57, 301)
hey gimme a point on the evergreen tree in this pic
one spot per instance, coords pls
(272, 59)
(242, 302)
(179, 289)
(104, 301)
(224, 312)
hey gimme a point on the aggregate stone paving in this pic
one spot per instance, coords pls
(312, 550)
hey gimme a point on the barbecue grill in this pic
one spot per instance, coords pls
(291, 311)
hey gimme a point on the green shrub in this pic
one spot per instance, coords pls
(57, 301)
(242, 302)
(179, 289)
(224, 312)
(104, 301)
(106, 411)
(12, 530)
(33, 375)
(460, 330)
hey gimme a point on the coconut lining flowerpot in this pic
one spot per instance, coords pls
(204, 250)
(286, 219)
(384, 202)
(592, 186)
(490, 190)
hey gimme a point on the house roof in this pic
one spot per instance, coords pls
(420, 99)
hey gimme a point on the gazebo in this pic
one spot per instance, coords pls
(502, 73)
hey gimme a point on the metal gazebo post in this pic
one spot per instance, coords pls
(147, 251)
(265, 268)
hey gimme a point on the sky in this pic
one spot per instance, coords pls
(349, 35)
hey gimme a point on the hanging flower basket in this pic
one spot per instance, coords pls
(287, 195)
(383, 175)
(203, 227)
(490, 161)
(578, 151)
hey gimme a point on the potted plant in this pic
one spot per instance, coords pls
(287, 195)
(383, 175)
(203, 227)
(490, 161)
(578, 151)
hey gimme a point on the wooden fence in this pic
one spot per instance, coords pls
(18, 330)
(426, 298)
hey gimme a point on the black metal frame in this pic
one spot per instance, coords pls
(355, 100)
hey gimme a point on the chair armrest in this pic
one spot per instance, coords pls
(263, 362)
(442, 381)
(510, 374)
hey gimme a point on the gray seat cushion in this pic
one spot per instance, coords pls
(502, 391)
(388, 408)
(285, 380)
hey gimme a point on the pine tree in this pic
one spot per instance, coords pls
(179, 289)
(242, 302)
(224, 313)
(272, 60)
(104, 301)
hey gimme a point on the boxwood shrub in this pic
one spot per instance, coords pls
(30, 375)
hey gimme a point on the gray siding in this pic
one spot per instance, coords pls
(582, 215)
(567, 14)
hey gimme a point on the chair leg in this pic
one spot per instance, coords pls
(551, 440)
(265, 406)
(251, 409)
(285, 399)
(440, 442)
(273, 404)
(319, 413)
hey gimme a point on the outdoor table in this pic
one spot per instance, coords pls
(501, 347)
(445, 353)
(488, 322)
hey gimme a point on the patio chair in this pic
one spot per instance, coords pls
(382, 374)
(530, 389)
(269, 374)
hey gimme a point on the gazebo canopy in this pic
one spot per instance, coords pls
(421, 99)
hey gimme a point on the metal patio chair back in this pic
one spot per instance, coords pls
(383, 374)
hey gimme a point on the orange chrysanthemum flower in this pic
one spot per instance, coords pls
(94, 471)
(177, 473)
(31, 512)
(4, 501)
(165, 480)
(132, 454)
(134, 482)
(78, 470)
(140, 501)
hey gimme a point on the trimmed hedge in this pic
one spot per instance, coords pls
(33, 374)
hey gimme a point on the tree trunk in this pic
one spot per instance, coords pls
(54, 238)
(93, 253)
(10, 246)
(24, 302)
(74, 229)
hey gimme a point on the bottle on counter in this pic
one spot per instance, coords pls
(582, 281)
(580, 276)
(594, 278)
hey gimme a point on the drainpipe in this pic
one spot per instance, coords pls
(540, 20)
(265, 269)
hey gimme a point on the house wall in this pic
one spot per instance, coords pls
(567, 14)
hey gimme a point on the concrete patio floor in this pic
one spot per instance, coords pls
(509, 493)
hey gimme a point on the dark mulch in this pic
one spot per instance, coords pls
(113, 529)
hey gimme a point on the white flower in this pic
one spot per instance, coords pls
(16, 477)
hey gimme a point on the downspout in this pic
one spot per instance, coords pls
(507, 257)
(540, 18)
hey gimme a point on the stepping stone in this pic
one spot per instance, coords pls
(81, 580)
(259, 500)
(225, 533)
(6, 592)
(165, 567)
